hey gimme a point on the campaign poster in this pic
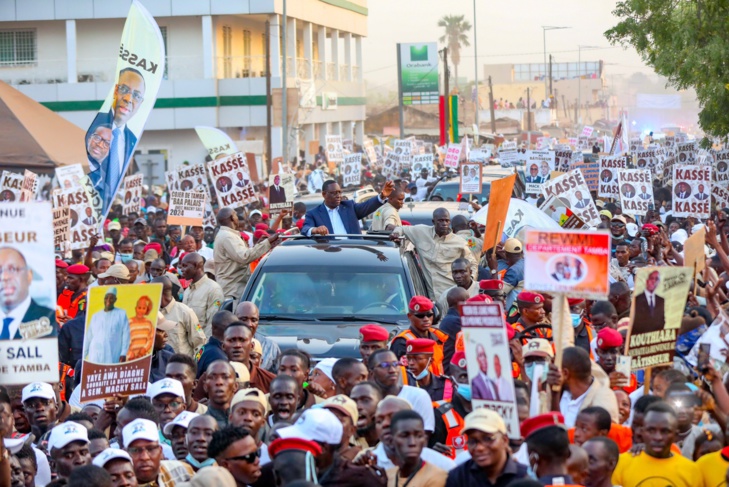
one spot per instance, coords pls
(210, 220)
(488, 361)
(232, 180)
(335, 150)
(659, 299)
(636, 190)
(83, 218)
(392, 164)
(509, 158)
(216, 142)
(403, 149)
(645, 159)
(669, 142)
(721, 168)
(587, 131)
(563, 160)
(558, 209)
(687, 153)
(470, 179)
(507, 145)
(281, 192)
(29, 340)
(10, 186)
(372, 155)
(351, 169)
(609, 167)
(453, 155)
(590, 172)
(636, 144)
(479, 155)
(691, 191)
(186, 208)
(575, 263)
(70, 176)
(573, 187)
(422, 161)
(118, 341)
(116, 129)
(543, 143)
(132, 194)
(720, 195)
(62, 229)
(29, 188)
(192, 178)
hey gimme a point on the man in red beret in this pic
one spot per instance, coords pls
(493, 288)
(73, 298)
(61, 267)
(531, 312)
(548, 446)
(420, 314)
(371, 338)
(447, 436)
(609, 348)
(290, 457)
(419, 353)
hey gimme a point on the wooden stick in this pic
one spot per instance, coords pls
(647, 383)
(498, 237)
(558, 309)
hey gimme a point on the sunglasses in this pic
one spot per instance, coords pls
(387, 365)
(423, 315)
(250, 458)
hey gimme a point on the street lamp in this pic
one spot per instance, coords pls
(579, 79)
(545, 28)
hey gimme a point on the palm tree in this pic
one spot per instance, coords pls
(455, 37)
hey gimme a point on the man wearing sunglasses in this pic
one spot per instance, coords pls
(618, 231)
(235, 450)
(420, 314)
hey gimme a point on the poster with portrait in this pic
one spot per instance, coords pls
(372, 156)
(558, 209)
(686, 152)
(29, 340)
(721, 168)
(29, 188)
(10, 185)
(562, 160)
(488, 361)
(335, 150)
(573, 187)
(720, 196)
(351, 169)
(422, 161)
(116, 129)
(132, 193)
(232, 180)
(392, 164)
(659, 299)
(216, 142)
(118, 341)
(186, 208)
(470, 178)
(84, 221)
(636, 190)
(590, 172)
(281, 192)
(453, 155)
(62, 229)
(538, 166)
(669, 142)
(192, 177)
(645, 159)
(509, 159)
(691, 190)
(570, 262)
(636, 144)
(70, 176)
(609, 167)
(403, 149)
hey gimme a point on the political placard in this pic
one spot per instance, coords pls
(372, 156)
(29, 188)
(422, 161)
(721, 167)
(335, 150)
(509, 158)
(720, 196)
(10, 186)
(558, 210)
(281, 192)
(659, 299)
(192, 177)
(479, 155)
(351, 169)
(488, 361)
(507, 145)
(403, 150)
(29, 339)
(563, 160)
(587, 131)
(216, 142)
(132, 194)
(392, 164)
(669, 142)
(575, 263)
(470, 178)
(636, 190)
(687, 153)
(232, 180)
(609, 167)
(118, 341)
(453, 155)
(590, 172)
(572, 186)
(186, 208)
(70, 176)
(61, 229)
(691, 190)
(83, 218)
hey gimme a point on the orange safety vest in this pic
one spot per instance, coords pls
(70, 305)
(454, 424)
(436, 365)
(630, 387)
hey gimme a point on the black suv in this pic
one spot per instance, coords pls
(315, 293)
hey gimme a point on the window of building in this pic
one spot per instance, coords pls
(227, 51)
(18, 47)
(163, 30)
(247, 62)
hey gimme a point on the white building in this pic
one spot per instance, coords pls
(63, 53)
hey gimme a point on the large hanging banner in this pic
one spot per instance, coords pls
(232, 180)
(691, 191)
(113, 135)
(132, 194)
(28, 341)
(10, 185)
(119, 338)
(636, 190)
(573, 188)
(609, 167)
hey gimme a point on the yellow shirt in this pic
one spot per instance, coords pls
(385, 215)
(713, 467)
(646, 471)
(428, 476)
(232, 256)
(204, 297)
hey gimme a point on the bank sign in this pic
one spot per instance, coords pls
(419, 73)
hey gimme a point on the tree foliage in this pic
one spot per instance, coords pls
(455, 37)
(687, 41)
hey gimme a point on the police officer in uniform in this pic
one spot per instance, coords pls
(447, 437)
(420, 314)
(419, 355)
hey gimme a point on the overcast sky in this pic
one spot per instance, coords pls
(509, 31)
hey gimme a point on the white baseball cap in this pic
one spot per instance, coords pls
(326, 366)
(110, 454)
(14, 445)
(140, 429)
(166, 386)
(319, 425)
(38, 389)
(66, 433)
(183, 419)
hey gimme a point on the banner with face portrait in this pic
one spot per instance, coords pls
(70, 176)
(669, 142)
(84, 220)
(232, 180)
(403, 149)
(10, 186)
(281, 192)
(192, 178)
(422, 161)
(573, 187)
(29, 187)
(116, 129)
(558, 209)
(538, 166)
(372, 156)
(132, 194)
(720, 196)
(121, 324)
(687, 152)
(351, 169)
(335, 150)
(636, 190)
(721, 168)
(609, 167)
(692, 190)
(470, 178)
(216, 142)
(562, 160)
(29, 341)
(488, 361)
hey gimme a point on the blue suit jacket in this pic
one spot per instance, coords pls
(349, 211)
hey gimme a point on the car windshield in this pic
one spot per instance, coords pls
(328, 292)
(449, 191)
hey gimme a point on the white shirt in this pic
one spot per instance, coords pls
(336, 219)
(571, 407)
(650, 297)
(505, 389)
(206, 252)
(422, 189)
(428, 455)
(264, 458)
(43, 474)
(421, 403)
(16, 314)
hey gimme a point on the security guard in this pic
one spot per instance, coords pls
(494, 289)
(449, 414)
(375, 337)
(420, 314)
(531, 312)
(73, 298)
(420, 355)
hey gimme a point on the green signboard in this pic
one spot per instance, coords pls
(419, 73)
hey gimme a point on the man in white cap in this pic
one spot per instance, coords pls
(141, 440)
(118, 464)
(68, 446)
(115, 274)
(108, 333)
(176, 430)
(249, 410)
(168, 399)
(39, 404)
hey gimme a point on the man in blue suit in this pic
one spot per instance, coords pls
(128, 96)
(338, 217)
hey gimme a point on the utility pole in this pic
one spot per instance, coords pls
(269, 104)
(529, 118)
(475, 62)
(491, 107)
(447, 96)
(399, 93)
(284, 88)
(550, 74)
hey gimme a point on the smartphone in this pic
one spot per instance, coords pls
(704, 357)
(622, 365)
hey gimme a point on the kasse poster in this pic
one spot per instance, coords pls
(232, 180)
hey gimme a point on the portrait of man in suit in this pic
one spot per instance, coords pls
(16, 304)
(606, 176)
(701, 196)
(98, 143)
(242, 181)
(7, 195)
(534, 175)
(224, 184)
(482, 386)
(644, 194)
(649, 307)
(580, 201)
(628, 190)
(276, 194)
(683, 190)
(89, 220)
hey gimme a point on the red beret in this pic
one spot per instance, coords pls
(650, 228)
(574, 301)
(480, 298)
(373, 333)
(261, 226)
(61, 264)
(284, 444)
(78, 269)
(491, 285)
(155, 246)
(405, 223)
(510, 332)
(532, 425)
(420, 303)
(420, 345)
(609, 338)
(258, 234)
(300, 223)
(244, 236)
(264, 216)
(459, 359)
(530, 297)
